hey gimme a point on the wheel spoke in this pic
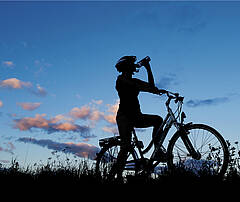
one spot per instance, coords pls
(108, 158)
(208, 143)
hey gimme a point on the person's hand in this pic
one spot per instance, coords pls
(162, 91)
(158, 91)
(146, 65)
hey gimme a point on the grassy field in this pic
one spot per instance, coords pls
(82, 172)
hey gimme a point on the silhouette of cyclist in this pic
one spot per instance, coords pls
(129, 114)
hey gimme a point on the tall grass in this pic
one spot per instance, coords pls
(82, 172)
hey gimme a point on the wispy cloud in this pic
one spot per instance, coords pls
(39, 91)
(188, 19)
(29, 106)
(97, 102)
(9, 147)
(14, 83)
(110, 129)
(50, 125)
(79, 149)
(167, 81)
(41, 65)
(207, 102)
(8, 63)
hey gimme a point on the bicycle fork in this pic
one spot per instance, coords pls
(184, 136)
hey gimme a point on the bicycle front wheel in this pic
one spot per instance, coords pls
(208, 143)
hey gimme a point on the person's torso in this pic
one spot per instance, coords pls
(128, 94)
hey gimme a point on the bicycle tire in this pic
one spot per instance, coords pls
(215, 160)
(100, 160)
(105, 160)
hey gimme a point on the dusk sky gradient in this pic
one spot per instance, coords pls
(57, 74)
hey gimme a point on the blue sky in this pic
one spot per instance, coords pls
(57, 74)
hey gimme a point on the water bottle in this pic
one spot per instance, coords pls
(144, 60)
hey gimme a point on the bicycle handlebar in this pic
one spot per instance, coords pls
(177, 97)
(172, 95)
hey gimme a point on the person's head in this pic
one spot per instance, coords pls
(126, 64)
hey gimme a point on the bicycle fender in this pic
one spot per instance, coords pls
(187, 125)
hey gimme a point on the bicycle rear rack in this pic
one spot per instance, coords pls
(111, 140)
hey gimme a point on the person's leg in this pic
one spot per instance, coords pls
(148, 120)
(122, 157)
(125, 132)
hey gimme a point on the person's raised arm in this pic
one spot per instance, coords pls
(150, 85)
(150, 75)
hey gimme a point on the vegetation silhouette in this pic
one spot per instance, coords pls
(66, 173)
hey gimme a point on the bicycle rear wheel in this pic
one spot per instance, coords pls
(107, 157)
(205, 140)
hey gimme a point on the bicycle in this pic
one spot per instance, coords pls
(193, 146)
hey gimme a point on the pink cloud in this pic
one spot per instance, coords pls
(50, 125)
(61, 117)
(1, 103)
(8, 63)
(80, 113)
(65, 126)
(29, 106)
(32, 122)
(111, 118)
(113, 108)
(96, 115)
(98, 102)
(66, 122)
(108, 129)
(89, 112)
(14, 83)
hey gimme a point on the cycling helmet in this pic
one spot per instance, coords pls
(124, 63)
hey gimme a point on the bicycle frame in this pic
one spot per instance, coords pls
(169, 120)
(166, 125)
